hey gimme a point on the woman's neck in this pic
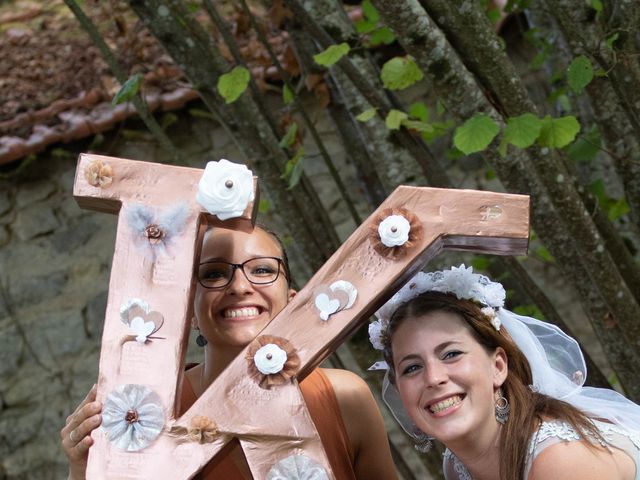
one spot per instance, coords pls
(481, 453)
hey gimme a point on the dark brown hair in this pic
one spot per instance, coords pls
(285, 258)
(528, 408)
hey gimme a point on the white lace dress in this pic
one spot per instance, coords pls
(550, 433)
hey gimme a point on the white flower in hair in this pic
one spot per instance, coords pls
(225, 189)
(493, 317)
(376, 334)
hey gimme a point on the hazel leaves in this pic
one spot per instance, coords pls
(477, 133)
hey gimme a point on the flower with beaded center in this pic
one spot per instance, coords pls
(394, 231)
(132, 417)
(225, 189)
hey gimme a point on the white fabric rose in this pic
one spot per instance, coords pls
(132, 417)
(394, 231)
(270, 359)
(297, 467)
(493, 317)
(225, 189)
(376, 330)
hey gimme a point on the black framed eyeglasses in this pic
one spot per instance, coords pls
(259, 271)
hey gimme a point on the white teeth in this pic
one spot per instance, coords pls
(240, 312)
(444, 404)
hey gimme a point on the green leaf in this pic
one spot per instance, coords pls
(596, 5)
(558, 132)
(332, 54)
(530, 310)
(618, 209)
(366, 115)
(544, 254)
(394, 119)
(475, 134)
(233, 84)
(522, 130)
(440, 129)
(370, 11)
(382, 35)
(480, 263)
(264, 206)
(289, 136)
(129, 90)
(597, 188)
(287, 95)
(365, 26)
(420, 111)
(564, 102)
(494, 15)
(612, 39)
(400, 73)
(417, 125)
(586, 146)
(293, 169)
(580, 73)
(490, 174)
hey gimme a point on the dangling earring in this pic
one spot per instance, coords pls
(502, 408)
(424, 442)
(200, 340)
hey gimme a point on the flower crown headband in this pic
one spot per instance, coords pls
(460, 281)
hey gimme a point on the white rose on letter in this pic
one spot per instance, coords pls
(270, 359)
(394, 231)
(225, 189)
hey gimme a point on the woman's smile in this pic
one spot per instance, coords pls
(442, 408)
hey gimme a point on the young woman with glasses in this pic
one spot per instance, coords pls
(243, 283)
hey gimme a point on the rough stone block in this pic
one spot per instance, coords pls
(34, 192)
(76, 234)
(31, 290)
(5, 201)
(58, 334)
(35, 220)
(11, 347)
(4, 237)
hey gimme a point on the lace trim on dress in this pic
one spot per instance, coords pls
(566, 432)
(458, 467)
(553, 429)
(607, 431)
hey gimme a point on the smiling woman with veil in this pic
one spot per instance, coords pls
(503, 392)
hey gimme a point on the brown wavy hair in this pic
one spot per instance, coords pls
(528, 408)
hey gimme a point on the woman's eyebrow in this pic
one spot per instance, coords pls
(445, 345)
(437, 350)
(212, 259)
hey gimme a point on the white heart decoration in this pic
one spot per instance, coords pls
(326, 305)
(141, 329)
(348, 288)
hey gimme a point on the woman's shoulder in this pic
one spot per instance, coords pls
(561, 452)
(344, 381)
